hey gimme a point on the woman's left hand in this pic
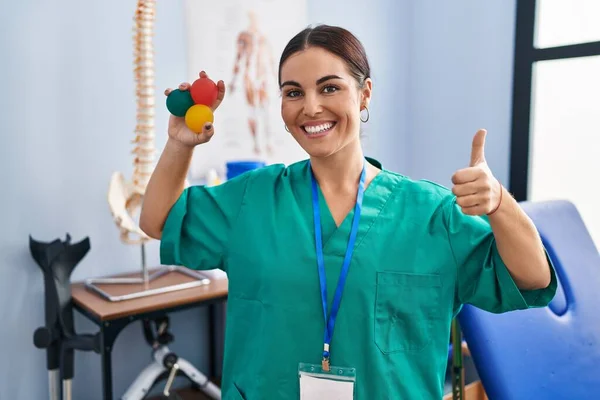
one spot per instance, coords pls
(476, 189)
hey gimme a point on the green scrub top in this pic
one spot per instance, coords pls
(416, 260)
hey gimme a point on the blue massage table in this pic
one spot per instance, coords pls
(550, 353)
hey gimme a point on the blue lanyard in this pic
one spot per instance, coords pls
(330, 322)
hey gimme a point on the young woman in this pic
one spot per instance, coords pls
(395, 256)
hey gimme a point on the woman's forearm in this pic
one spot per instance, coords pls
(165, 186)
(520, 245)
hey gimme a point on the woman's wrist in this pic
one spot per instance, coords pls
(179, 146)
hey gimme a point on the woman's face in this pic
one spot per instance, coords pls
(321, 101)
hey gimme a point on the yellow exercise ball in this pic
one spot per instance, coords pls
(197, 116)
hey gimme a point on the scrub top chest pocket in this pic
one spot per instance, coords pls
(406, 308)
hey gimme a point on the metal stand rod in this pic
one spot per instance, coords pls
(199, 280)
(172, 373)
(458, 373)
(145, 267)
(54, 384)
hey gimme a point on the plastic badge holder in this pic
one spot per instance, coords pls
(316, 383)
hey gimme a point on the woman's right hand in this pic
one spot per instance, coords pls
(179, 131)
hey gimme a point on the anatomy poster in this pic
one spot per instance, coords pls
(240, 42)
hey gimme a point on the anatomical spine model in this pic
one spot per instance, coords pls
(125, 198)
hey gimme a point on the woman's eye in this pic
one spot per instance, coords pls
(330, 89)
(293, 93)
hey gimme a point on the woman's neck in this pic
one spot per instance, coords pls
(340, 170)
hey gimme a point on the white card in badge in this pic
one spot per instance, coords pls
(335, 384)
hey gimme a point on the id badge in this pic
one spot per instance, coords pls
(318, 384)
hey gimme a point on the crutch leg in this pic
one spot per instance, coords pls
(54, 384)
(67, 385)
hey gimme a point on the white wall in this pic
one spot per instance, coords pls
(461, 57)
(67, 116)
(441, 70)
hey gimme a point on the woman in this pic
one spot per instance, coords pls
(418, 251)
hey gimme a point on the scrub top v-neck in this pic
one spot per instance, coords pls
(416, 260)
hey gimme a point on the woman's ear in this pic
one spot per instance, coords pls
(366, 91)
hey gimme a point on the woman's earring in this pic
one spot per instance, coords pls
(367, 117)
(286, 128)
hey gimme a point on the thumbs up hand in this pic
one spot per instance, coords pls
(476, 189)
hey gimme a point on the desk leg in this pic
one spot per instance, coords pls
(212, 341)
(109, 331)
(107, 375)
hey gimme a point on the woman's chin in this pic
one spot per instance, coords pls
(319, 151)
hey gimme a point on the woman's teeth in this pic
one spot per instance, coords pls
(314, 129)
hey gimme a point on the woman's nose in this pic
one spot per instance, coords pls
(312, 106)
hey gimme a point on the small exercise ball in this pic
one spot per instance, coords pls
(204, 91)
(197, 116)
(179, 102)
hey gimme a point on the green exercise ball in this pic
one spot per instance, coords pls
(179, 101)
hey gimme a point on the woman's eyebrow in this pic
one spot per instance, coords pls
(319, 81)
(326, 78)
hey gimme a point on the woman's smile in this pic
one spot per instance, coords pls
(318, 129)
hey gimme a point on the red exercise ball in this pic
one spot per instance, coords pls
(204, 91)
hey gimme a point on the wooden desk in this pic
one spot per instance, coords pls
(113, 317)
